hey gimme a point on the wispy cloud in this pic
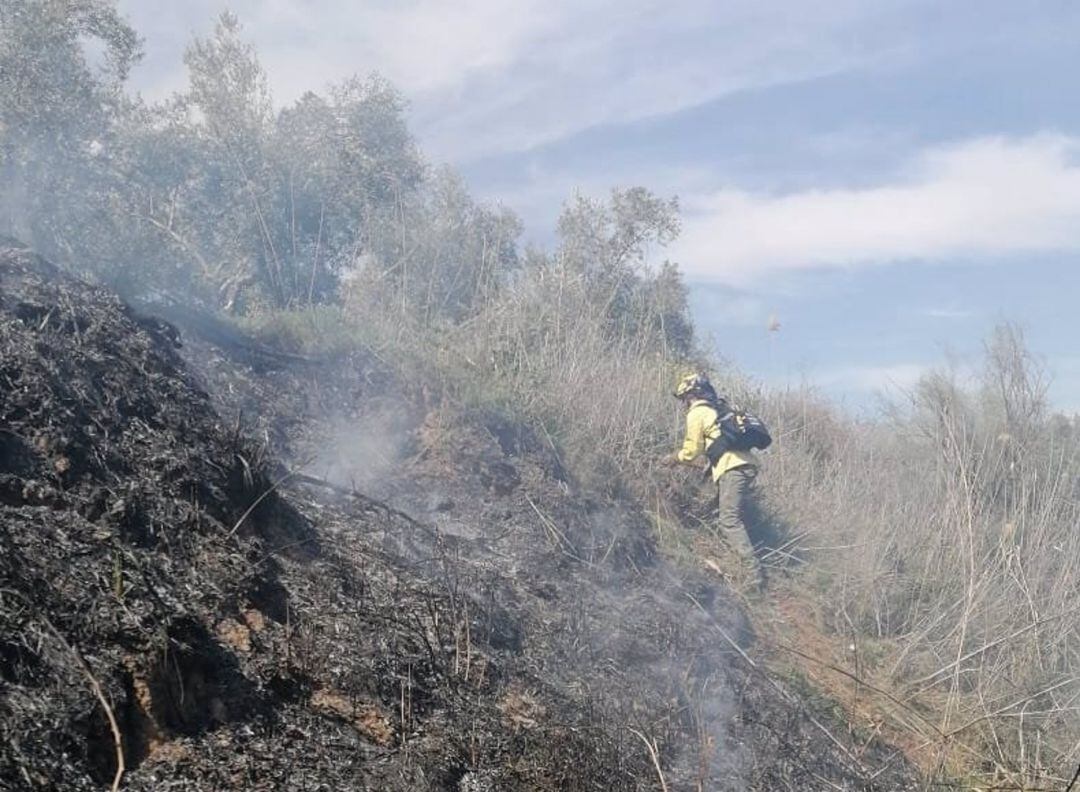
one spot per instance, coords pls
(611, 62)
(984, 198)
(421, 45)
(506, 75)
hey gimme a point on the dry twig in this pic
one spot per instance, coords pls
(118, 741)
(653, 754)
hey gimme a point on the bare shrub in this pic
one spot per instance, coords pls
(948, 533)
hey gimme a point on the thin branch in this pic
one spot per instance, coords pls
(1075, 778)
(1010, 706)
(858, 680)
(558, 536)
(651, 746)
(315, 258)
(273, 487)
(182, 242)
(118, 741)
(995, 642)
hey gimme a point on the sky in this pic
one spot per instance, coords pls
(885, 180)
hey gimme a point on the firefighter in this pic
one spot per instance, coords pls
(732, 472)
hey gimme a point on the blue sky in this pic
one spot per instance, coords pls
(887, 179)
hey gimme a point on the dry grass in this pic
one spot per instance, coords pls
(939, 542)
(542, 352)
(941, 545)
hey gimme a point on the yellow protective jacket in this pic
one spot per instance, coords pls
(701, 429)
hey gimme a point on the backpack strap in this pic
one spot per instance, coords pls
(715, 447)
(722, 409)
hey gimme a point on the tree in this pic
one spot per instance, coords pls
(606, 244)
(271, 209)
(608, 240)
(1014, 381)
(229, 88)
(222, 210)
(464, 251)
(59, 113)
(49, 89)
(346, 168)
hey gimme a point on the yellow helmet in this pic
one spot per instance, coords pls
(694, 384)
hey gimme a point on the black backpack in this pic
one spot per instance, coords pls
(740, 430)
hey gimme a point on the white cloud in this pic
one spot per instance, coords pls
(611, 62)
(505, 75)
(421, 45)
(984, 198)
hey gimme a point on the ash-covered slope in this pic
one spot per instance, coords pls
(238, 643)
(165, 584)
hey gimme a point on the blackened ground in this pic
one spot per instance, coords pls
(492, 629)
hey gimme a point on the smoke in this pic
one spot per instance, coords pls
(14, 217)
(666, 628)
(365, 451)
(699, 673)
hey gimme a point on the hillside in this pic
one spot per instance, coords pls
(165, 582)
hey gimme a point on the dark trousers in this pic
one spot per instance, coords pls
(737, 505)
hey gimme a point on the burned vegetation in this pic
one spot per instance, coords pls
(179, 610)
